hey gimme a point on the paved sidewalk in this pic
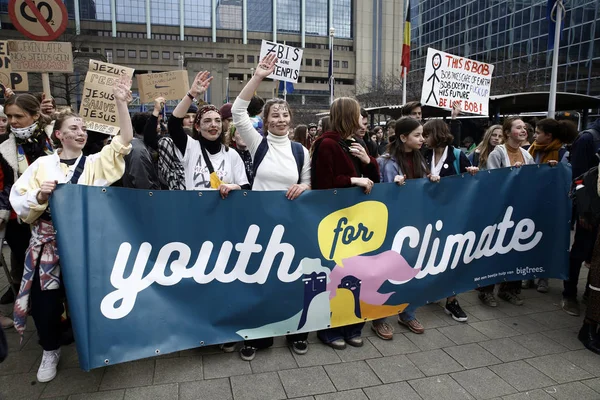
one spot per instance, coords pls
(512, 353)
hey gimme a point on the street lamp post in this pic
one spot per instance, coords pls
(331, 78)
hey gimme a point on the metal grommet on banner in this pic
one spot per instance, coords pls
(288, 332)
(245, 193)
(106, 361)
(200, 194)
(150, 194)
(329, 326)
(365, 319)
(535, 277)
(202, 343)
(245, 337)
(427, 301)
(335, 192)
(463, 175)
(157, 351)
(511, 168)
(103, 190)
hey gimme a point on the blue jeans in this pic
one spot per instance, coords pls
(407, 315)
(341, 332)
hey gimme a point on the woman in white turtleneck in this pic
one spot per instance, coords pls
(278, 169)
(285, 166)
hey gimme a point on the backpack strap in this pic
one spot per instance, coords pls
(298, 152)
(475, 159)
(260, 154)
(78, 171)
(457, 153)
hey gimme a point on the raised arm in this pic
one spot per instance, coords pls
(150, 132)
(122, 92)
(175, 124)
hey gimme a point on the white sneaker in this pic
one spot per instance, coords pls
(6, 322)
(47, 370)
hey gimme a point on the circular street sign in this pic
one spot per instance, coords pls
(39, 19)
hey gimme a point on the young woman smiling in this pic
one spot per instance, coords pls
(278, 164)
(208, 164)
(403, 160)
(41, 291)
(509, 154)
(491, 139)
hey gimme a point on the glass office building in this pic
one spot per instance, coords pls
(512, 35)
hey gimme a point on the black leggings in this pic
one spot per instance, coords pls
(17, 237)
(46, 310)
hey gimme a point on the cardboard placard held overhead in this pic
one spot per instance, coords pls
(98, 106)
(289, 60)
(29, 56)
(17, 81)
(451, 79)
(172, 85)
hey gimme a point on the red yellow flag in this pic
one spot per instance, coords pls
(406, 45)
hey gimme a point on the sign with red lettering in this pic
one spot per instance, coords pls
(44, 21)
(451, 79)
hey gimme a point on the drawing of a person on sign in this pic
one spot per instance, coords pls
(436, 61)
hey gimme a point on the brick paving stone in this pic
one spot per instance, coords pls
(494, 329)
(179, 369)
(593, 383)
(393, 391)
(275, 359)
(483, 383)
(352, 375)
(162, 392)
(484, 313)
(472, 356)
(572, 391)
(126, 375)
(556, 319)
(211, 389)
(394, 369)
(431, 320)
(400, 344)
(463, 334)
(318, 354)
(585, 359)
(306, 382)
(506, 349)
(105, 395)
(73, 381)
(430, 340)
(439, 387)
(558, 368)
(225, 365)
(538, 394)
(367, 351)
(356, 394)
(539, 344)
(257, 387)
(521, 375)
(566, 337)
(434, 362)
(20, 386)
(19, 362)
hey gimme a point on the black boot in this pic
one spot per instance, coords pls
(589, 337)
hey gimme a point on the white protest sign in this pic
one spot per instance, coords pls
(17, 81)
(288, 60)
(451, 79)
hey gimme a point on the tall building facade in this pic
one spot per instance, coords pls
(157, 35)
(512, 35)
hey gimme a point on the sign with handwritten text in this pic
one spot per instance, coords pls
(29, 56)
(98, 107)
(17, 81)
(171, 85)
(289, 60)
(451, 79)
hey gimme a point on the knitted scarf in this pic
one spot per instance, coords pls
(548, 151)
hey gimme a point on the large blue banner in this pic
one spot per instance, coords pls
(157, 272)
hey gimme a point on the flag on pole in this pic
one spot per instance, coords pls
(330, 72)
(288, 87)
(406, 45)
(553, 8)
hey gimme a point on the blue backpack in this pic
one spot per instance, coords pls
(263, 147)
(457, 153)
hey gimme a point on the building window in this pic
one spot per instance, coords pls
(230, 57)
(336, 63)
(344, 64)
(288, 17)
(176, 55)
(120, 53)
(250, 59)
(229, 15)
(97, 50)
(131, 53)
(166, 55)
(186, 54)
(317, 63)
(309, 62)
(143, 54)
(130, 11)
(316, 18)
(240, 58)
(198, 55)
(209, 55)
(342, 18)
(260, 15)
(220, 56)
(163, 12)
(154, 55)
(197, 13)
(93, 11)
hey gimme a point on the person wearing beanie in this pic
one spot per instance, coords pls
(190, 116)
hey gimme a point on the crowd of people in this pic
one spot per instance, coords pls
(247, 145)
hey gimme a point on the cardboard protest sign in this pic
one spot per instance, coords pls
(171, 85)
(17, 81)
(98, 106)
(288, 60)
(29, 56)
(450, 79)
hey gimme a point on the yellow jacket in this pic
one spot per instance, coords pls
(101, 169)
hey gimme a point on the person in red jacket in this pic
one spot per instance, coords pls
(338, 161)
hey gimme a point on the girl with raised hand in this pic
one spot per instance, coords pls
(491, 139)
(338, 161)
(278, 164)
(41, 293)
(403, 160)
(207, 163)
